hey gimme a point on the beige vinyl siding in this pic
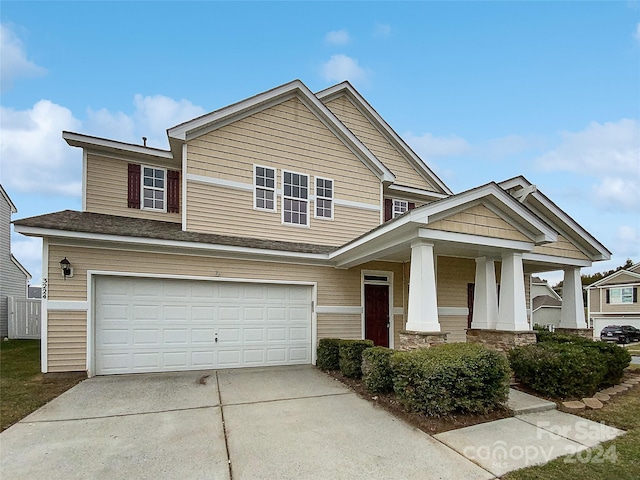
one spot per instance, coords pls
(405, 173)
(285, 137)
(107, 188)
(594, 300)
(561, 248)
(618, 307)
(455, 327)
(621, 279)
(479, 220)
(227, 211)
(453, 275)
(66, 341)
(335, 287)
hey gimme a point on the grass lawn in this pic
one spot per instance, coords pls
(634, 349)
(22, 387)
(618, 458)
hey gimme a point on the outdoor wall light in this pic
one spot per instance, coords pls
(65, 265)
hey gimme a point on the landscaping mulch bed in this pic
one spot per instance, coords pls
(429, 425)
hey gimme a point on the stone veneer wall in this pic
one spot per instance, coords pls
(501, 340)
(413, 340)
(580, 332)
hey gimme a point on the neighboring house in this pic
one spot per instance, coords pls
(14, 278)
(279, 220)
(34, 292)
(613, 300)
(546, 304)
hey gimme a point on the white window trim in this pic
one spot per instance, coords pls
(621, 302)
(142, 187)
(275, 189)
(393, 207)
(308, 200)
(333, 195)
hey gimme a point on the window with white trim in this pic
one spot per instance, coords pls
(295, 198)
(324, 198)
(621, 295)
(264, 191)
(399, 207)
(153, 188)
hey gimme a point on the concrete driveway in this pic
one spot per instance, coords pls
(283, 422)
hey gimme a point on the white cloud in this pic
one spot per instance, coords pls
(33, 156)
(13, 61)
(610, 153)
(428, 145)
(337, 37)
(628, 242)
(636, 34)
(382, 30)
(341, 67)
(28, 251)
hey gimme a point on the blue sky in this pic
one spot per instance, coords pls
(481, 90)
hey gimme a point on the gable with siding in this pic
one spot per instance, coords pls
(561, 248)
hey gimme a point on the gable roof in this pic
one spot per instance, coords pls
(5, 195)
(211, 121)
(614, 275)
(114, 146)
(346, 89)
(545, 301)
(19, 265)
(544, 208)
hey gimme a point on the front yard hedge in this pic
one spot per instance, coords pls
(328, 354)
(351, 356)
(377, 374)
(455, 377)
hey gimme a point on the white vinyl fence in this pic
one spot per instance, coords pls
(24, 317)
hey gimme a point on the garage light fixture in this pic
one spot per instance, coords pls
(65, 265)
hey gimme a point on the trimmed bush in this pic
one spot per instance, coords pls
(328, 354)
(454, 377)
(351, 356)
(561, 370)
(377, 374)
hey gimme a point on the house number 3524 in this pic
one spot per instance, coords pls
(44, 288)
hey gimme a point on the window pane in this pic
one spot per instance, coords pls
(148, 182)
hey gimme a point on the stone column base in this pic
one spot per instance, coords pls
(410, 340)
(502, 340)
(580, 332)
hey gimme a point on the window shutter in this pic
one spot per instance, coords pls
(635, 294)
(412, 205)
(134, 186)
(608, 298)
(388, 209)
(173, 191)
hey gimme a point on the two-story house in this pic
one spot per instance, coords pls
(613, 300)
(279, 220)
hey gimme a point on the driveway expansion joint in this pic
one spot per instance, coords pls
(275, 400)
(224, 428)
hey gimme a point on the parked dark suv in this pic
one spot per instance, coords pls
(620, 334)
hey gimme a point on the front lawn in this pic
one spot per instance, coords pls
(618, 458)
(22, 387)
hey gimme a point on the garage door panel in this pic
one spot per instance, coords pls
(160, 324)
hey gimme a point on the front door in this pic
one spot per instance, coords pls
(376, 314)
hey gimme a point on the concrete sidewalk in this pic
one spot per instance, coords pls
(284, 422)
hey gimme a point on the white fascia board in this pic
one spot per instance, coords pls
(384, 128)
(559, 261)
(86, 141)
(612, 276)
(19, 265)
(384, 229)
(417, 191)
(41, 232)
(477, 240)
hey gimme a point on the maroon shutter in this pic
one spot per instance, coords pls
(173, 191)
(412, 205)
(134, 186)
(388, 209)
(607, 292)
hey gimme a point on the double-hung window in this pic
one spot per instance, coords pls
(153, 188)
(400, 207)
(621, 295)
(295, 198)
(264, 188)
(324, 198)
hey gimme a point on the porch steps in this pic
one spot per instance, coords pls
(522, 403)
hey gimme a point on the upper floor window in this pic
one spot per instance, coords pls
(265, 188)
(295, 198)
(621, 295)
(400, 207)
(324, 198)
(153, 188)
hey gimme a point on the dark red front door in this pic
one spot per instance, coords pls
(376, 314)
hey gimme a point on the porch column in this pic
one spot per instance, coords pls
(512, 312)
(572, 315)
(423, 307)
(485, 295)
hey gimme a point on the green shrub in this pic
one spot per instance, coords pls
(376, 369)
(559, 369)
(463, 377)
(351, 356)
(328, 354)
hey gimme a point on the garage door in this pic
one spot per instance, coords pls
(154, 325)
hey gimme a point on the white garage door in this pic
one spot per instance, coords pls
(154, 325)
